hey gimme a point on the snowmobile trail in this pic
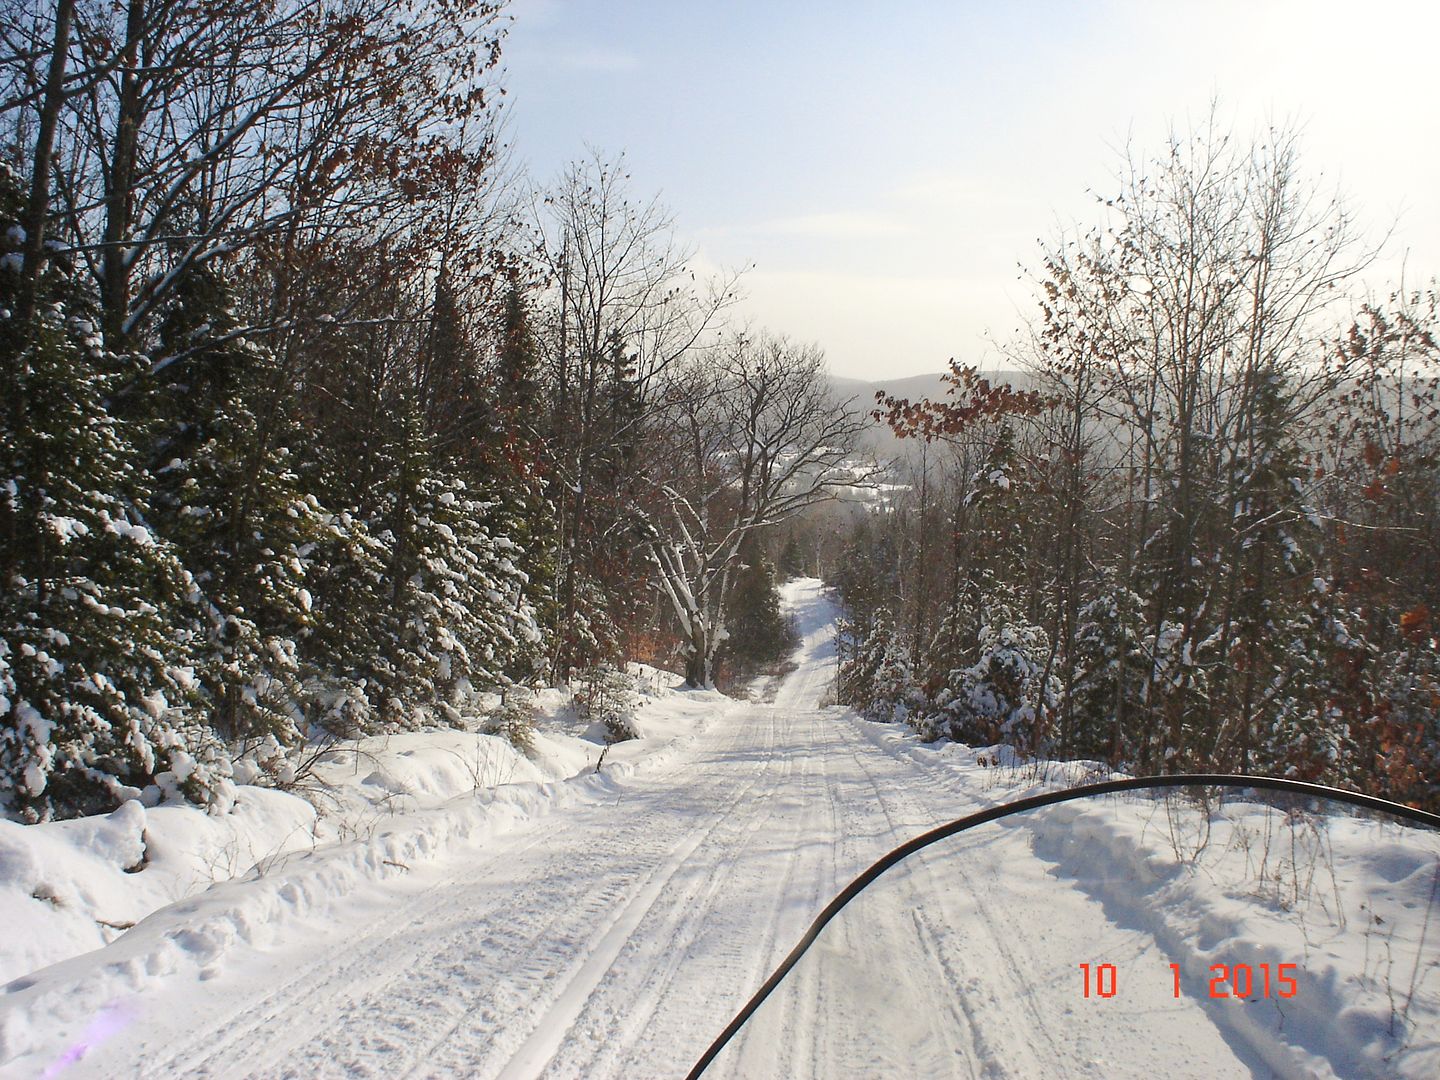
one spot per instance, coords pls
(615, 937)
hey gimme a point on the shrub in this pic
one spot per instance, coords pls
(514, 720)
(607, 696)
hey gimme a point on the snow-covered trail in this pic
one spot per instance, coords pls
(616, 937)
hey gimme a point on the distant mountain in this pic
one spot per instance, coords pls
(915, 387)
(931, 386)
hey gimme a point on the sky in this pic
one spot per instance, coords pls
(888, 172)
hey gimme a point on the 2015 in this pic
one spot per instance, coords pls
(1243, 982)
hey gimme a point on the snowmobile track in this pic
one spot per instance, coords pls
(617, 933)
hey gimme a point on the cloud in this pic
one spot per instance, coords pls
(873, 324)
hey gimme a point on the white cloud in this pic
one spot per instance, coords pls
(871, 324)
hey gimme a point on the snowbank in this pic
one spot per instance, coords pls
(1352, 901)
(172, 887)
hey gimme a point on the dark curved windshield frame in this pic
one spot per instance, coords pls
(1020, 806)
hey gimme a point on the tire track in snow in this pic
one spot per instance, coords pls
(797, 1031)
(1053, 1040)
(680, 921)
(529, 971)
(533, 968)
(350, 967)
(667, 997)
(697, 916)
(570, 1008)
(343, 970)
(929, 889)
(784, 927)
(325, 992)
(616, 939)
(947, 1014)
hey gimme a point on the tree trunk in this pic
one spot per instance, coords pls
(38, 207)
(120, 194)
(33, 253)
(697, 669)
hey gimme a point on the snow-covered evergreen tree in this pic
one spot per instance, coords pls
(855, 681)
(474, 624)
(1302, 728)
(1006, 695)
(229, 497)
(758, 633)
(94, 664)
(791, 563)
(457, 613)
(1110, 665)
(894, 695)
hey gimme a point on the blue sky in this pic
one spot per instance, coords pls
(887, 167)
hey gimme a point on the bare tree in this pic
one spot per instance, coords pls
(624, 308)
(1189, 339)
(184, 132)
(748, 436)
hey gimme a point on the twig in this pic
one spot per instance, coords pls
(1420, 948)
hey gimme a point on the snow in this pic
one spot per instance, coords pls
(453, 908)
(66, 886)
(1319, 905)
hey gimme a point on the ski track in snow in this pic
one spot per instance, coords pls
(615, 938)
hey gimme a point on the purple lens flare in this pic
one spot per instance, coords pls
(108, 1022)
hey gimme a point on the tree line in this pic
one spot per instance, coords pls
(1201, 532)
(319, 421)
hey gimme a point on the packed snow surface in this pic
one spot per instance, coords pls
(549, 919)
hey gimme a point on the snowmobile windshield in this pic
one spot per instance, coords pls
(1162, 928)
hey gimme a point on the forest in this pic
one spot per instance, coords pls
(1200, 532)
(319, 419)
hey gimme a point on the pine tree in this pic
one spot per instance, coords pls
(1277, 568)
(758, 633)
(1110, 665)
(1006, 694)
(792, 558)
(457, 614)
(229, 497)
(519, 358)
(512, 471)
(94, 675)
(856, 681)
(476, 627)
(894, 695)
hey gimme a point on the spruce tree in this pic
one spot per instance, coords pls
(95, 664)
(1110, 665)
(229, 496)
(792, 559)
(758, 633)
